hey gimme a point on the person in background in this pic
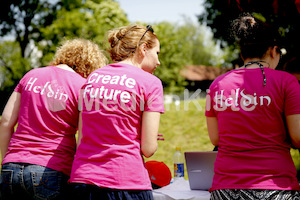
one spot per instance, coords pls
(37, 157)
(293, 67)
(253, 116)
(119, 122)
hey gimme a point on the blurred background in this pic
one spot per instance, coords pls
(195, 47)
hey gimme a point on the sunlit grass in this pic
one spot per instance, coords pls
(183, 125)
(296, 157)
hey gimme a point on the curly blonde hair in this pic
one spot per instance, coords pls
(125, 41)
(82, 55)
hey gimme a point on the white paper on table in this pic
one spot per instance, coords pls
(180, 189)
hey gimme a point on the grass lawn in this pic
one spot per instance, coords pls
(184, 125)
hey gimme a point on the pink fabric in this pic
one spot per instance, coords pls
(254, 147)
(109, 154)
(48, 119)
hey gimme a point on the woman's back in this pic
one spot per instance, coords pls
(48, 119)
(253, 137)
(115, 96)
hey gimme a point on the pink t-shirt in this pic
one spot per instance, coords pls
(48, 119)
(254, 147)
(109, 154)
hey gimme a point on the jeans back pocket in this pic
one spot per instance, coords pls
(46, 185)
(6, 182)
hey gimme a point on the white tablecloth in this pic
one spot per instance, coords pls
(180, 190)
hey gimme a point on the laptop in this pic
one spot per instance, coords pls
(200, 168)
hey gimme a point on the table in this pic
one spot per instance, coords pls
(180, 190)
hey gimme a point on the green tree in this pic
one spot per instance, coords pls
(40, 23)
(22, 20)
(44, 24)
(10, 56)
(90, 21)
(181, 45)
(284, 14)
(203, 50)
(172, 57)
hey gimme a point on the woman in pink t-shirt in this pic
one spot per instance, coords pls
(253, 115)
(37, 157)
(121, 107)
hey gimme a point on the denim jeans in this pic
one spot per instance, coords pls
(91, 192)
(22, 181)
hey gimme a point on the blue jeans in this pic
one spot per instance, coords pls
(22, 181)
(91, 192)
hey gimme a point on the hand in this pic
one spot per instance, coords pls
(160, 136)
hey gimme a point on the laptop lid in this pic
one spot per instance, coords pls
(200, 168)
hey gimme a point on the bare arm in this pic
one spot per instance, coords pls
(293, 124)
(79, 130)
(213, 130)
(8, 121)
(150, 125)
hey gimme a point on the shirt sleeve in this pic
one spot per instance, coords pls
(19, 87)
(154, 98)
(22, 83)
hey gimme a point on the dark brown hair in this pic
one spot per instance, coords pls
(254, 36)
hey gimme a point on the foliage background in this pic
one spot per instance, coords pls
(37, 27)
(282, 14)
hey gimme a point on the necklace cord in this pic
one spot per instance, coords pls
(261, 67)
